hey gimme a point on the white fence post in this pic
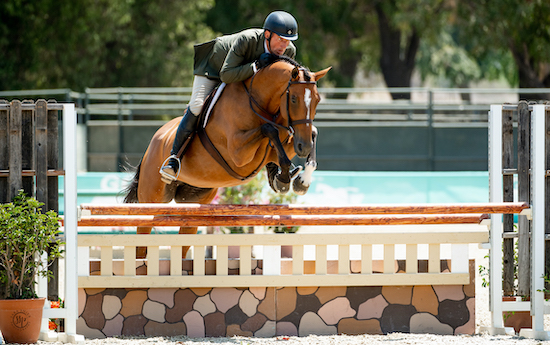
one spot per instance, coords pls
(70, 311)
(538, 172)
(495, 195)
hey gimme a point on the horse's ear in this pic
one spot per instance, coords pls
(295, 72)
(321, 74)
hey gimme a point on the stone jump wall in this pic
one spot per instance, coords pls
(267, 312)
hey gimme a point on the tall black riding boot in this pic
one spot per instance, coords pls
(186, 129)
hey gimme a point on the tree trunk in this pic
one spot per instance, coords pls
(396, 63)
(529, 76)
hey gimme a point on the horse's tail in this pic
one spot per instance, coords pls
(131, 190)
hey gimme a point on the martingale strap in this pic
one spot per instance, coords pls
(209, 146)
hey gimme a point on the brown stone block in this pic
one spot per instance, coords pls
(286, 301)
(377, 266)
(164, 267)
(267, 305)
(214, 325)
(95, 267)
(153, 328)
(183, 303)
(306, 290)
(93, 314)
(187, 265)
(286, 266)
(254, 323)
(329, 293)
(397, 294)
(200, 291)
(355, 266)
(141, 268)
(332, 267)
(91, 292)
(309, 267)
(134, 325)
(235, 330)
(118, 267)
(355, 327)
(132, 304)
(425, 300)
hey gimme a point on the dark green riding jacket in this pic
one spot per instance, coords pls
(229, 58)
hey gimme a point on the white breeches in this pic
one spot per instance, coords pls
(201, 88)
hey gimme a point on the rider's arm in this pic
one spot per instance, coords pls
(237, 65)
(240, 60)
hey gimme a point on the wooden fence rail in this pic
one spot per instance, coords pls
(365, 271)
(211, 209)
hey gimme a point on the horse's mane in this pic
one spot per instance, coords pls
(293, 62)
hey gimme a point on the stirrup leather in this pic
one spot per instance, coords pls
(164, 166)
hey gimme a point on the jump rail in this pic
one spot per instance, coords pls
(210, 209)
(240, 220)
(367, 271)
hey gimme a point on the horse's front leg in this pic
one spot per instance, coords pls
(279, 177)
(303, 181)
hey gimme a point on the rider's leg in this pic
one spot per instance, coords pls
(201, 88)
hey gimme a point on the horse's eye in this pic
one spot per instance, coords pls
(294, 99)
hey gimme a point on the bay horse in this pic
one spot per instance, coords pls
(263, 121)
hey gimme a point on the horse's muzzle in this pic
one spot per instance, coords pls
(302, 147)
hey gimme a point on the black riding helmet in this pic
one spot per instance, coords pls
(283, 24)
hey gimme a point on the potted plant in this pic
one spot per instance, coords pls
(515, 319)
(26, 234)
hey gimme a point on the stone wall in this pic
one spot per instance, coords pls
(267, 312)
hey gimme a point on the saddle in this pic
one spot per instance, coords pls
(207, 107)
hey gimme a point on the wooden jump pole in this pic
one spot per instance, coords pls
(275, 220)
(210, 209)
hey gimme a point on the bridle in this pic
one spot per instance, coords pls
(290, 129)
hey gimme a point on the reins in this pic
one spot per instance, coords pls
(252, 101)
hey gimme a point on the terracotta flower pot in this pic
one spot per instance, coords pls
(516, 319)
(20, 320)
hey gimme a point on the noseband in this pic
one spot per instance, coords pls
(291, 124)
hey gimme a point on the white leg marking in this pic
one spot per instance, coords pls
(308, 172)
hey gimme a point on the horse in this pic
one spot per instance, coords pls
(264, 121)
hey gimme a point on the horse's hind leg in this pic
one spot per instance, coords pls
(189, 194)
(153, 192)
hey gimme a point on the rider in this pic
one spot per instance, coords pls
(230, 59)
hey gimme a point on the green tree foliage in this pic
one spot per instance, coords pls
(519, 28)
(331, 33)
(105, 43)
(97, 43)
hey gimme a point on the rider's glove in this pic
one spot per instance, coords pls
(264, 60)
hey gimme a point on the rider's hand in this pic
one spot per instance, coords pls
(265, 59)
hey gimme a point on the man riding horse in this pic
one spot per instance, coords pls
(229, 59)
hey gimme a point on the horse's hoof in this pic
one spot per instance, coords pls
(281, 187)
(299, 187)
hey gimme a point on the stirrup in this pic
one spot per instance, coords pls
(167, 176)
(295, 171)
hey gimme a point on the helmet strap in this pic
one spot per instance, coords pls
(269, 41)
